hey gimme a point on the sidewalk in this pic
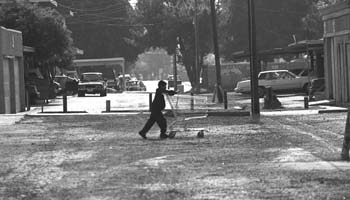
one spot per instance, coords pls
(292, 105)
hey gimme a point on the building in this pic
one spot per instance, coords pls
(12, 90)
(336, 19)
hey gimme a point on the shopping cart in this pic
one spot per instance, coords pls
(180, 124)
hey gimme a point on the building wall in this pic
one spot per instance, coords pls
(336, 20)
(12, 90)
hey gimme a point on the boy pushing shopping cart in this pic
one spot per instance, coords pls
(158, 104)
(180, 124)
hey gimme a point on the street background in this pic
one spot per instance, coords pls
(291, 153)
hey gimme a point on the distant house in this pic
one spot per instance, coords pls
(336, 19)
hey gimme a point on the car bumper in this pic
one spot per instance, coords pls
(91, 90)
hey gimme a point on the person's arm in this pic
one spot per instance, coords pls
(170, 92)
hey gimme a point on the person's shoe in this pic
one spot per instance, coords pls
(163, 136)
(143, 135)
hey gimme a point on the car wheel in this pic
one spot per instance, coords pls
(261, 92)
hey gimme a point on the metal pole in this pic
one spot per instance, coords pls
(253, 61)
(225, 100)
(196, 46)
(175, 73)
(108, 105)
(192, 101)
(64, 103)
(216, 51)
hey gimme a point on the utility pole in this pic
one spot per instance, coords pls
(175, 72)
(197, 77)
(176, 54)
(253, 62)
(216, 52)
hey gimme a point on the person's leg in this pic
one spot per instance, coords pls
(161, 121)
(147, 127)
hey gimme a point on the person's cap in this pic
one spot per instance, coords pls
(161, 83)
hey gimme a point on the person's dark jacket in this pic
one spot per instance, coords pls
(158, 103)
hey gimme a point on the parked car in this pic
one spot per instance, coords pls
(135, 85)
(171, 81)
(46, 87)
(120, 81)
(92, 83)
(277, 80)
(73, 74)
(302, 72)
(69, 85)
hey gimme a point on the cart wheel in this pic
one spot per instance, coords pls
(200, 134)
(172, 134)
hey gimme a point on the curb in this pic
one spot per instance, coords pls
(332, 111)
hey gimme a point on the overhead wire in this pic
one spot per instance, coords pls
(101, 17)
(91, 10)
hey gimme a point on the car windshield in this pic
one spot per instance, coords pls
(91, 77)
(299, 72)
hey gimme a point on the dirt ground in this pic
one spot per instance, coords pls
(102, 157)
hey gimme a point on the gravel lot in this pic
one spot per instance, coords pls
(102, 157)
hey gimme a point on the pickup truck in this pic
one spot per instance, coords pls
(92, 83)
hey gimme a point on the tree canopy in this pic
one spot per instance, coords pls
(276, 23)
(42, 28)
(168, 20)
(103, 28)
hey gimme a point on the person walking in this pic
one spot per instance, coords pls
(158, 104)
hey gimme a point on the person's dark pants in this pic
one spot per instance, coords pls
(155, 117)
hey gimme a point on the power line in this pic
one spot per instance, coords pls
(92, 10)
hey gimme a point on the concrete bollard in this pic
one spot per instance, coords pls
(64, 103)
(150, 101)
(225, 100)
(306, 102)
(108, 105)
(192, 101)
(270, 99)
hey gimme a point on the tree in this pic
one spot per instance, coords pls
(103, 28)
(42, 28)
(168, 20)
(276, 23)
